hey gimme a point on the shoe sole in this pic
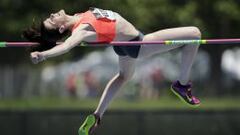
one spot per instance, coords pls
(182, 99)
(86, 126)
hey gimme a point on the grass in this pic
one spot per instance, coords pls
(224, 103)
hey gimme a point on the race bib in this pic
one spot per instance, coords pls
(100, 13)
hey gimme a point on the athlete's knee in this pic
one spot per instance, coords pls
(195, 32)
(125, 76)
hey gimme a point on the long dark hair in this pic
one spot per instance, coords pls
(45, 37)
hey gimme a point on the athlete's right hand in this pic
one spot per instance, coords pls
(37, 57)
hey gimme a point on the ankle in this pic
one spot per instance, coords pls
(188, 84)
(182, 83)
(98, 118)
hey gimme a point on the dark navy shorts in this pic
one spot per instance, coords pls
(131, 51)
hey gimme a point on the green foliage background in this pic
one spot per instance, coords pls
(147, 15)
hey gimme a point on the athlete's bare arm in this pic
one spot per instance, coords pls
(82, 33)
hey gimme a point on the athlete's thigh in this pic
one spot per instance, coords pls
(174, 34)
(167, 34)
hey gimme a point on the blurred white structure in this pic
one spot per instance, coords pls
(231, 62)
(104, 64)
(99, 66)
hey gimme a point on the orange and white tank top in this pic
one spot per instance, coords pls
(103, 22)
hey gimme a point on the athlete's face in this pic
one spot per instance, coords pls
(55, 20)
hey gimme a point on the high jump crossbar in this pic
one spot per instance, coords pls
(130, 43)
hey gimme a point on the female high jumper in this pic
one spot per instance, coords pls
(98, 25)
